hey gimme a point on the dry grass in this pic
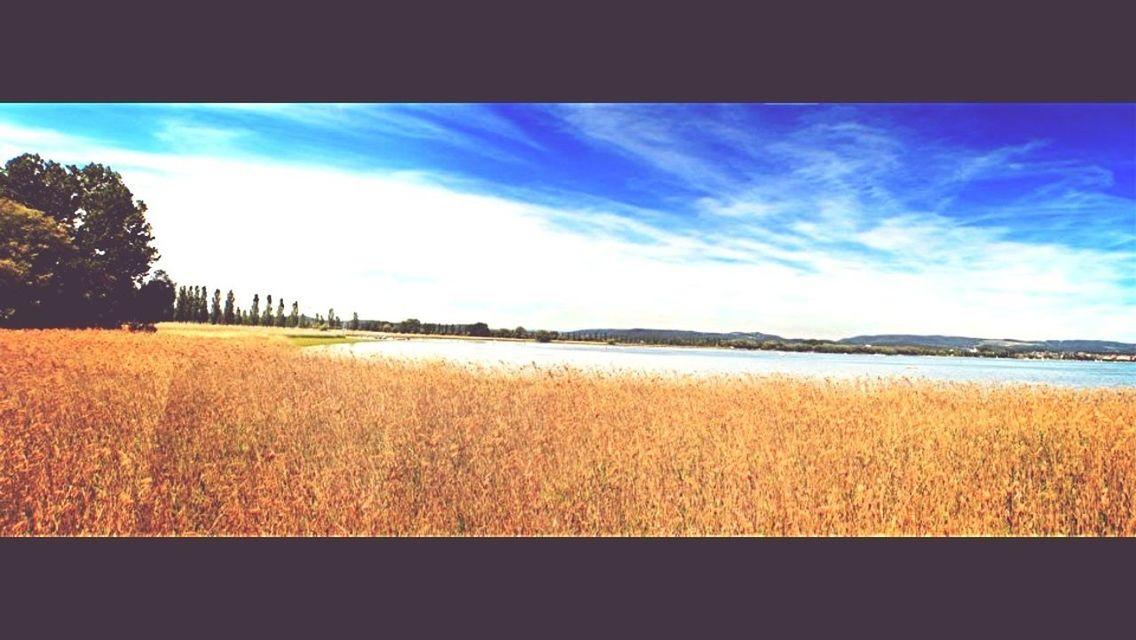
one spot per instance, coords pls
(117, 433)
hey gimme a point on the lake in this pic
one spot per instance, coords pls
(685, 360)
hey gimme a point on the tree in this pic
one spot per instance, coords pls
(254, 312)
(114, 239)
(229, 315)
(182, 304)
(42, 185)
(331, 319)
(34, 252)
(479, 329)
(215, 312)
(354, 326)
(266, 319)
(294, 318)
(155, 301)
(203, 305)
(280, 314)
(410, 325)
(105, 225)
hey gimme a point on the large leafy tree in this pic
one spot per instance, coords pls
(34, 252)
(104, 223)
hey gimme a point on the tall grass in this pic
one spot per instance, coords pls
(141, 434)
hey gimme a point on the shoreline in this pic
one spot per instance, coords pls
(201, 329)
(613, 361)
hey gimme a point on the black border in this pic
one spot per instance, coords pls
(569, 587)
(578, 587)
(532, 52)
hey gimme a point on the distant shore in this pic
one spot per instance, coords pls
(314, 337)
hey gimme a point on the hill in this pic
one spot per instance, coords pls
(959, 342)
(678, 336)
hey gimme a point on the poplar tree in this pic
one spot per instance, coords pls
(179, 310)
(294, 319)
(254, 312)
(266, 319)
(280, 314)
(229, 316)
(215, 312)
(203, 305)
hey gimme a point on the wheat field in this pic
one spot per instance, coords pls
(113, 433)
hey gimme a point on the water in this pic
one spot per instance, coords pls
(684, 360)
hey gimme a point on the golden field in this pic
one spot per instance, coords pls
(113, 433)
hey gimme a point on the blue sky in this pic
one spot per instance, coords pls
(804, 220)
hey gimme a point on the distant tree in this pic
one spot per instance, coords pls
(520, 332)
(479, 329)
(203, 305)
(331, 319)
(266, 318)
(354, 325)
(215, 311)
(187, 312)
(280, 317)
(179, 307)
(229, 316)
(410, 325)
(254, 311)
(294, 317)
(155, 299)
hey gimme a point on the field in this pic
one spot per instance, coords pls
(194, 433)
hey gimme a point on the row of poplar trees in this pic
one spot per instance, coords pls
(193, 305)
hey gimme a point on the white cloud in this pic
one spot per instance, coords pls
(393, 246)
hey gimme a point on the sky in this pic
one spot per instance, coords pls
(802, 220)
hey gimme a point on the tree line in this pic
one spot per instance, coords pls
(193, 304)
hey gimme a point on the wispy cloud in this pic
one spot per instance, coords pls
(816, 228)
(465, 127)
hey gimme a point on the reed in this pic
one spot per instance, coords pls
(115, 433)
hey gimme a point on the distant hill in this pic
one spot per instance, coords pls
(959, 342)
(671, 334)
(956, 342)
(888, 340)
